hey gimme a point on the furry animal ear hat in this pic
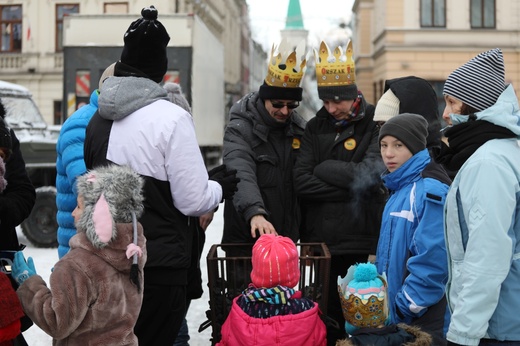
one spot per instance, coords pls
(111, 195)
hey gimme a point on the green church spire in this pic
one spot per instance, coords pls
(294, 16)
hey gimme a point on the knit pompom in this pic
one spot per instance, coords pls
(365, 272)
(149, 13)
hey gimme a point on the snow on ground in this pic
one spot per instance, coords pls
(44, 260)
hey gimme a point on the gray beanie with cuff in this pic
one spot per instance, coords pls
(409, 128)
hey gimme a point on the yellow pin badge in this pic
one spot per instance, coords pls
(350, 144)
(296, 143)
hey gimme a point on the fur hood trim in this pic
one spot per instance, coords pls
(421, 338)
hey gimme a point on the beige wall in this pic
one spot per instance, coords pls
(223, 18)
(400, 47)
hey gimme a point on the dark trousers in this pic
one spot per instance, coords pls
(492, 342)
(238, 270)
(161, 315)
(339, 265)
(432, 322)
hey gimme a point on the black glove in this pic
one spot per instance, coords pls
(212, 172)
(226, 178)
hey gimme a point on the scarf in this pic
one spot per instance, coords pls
(268, 302)
(464, 139)
(357, 112)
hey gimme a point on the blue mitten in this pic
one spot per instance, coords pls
(22, 269)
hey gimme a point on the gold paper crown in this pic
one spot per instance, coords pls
(336, 69)
(288, 77)
(360, 313)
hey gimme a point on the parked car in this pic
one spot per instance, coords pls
(38, 146)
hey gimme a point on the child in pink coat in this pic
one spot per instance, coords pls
(270, 312)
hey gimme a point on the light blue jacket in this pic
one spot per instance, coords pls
(70, 165)
(483, 235)
(411, 248)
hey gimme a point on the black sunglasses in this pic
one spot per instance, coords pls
(288, 105)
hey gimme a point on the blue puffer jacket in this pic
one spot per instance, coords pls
(411, 248)
(69, 165)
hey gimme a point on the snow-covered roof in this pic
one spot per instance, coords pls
(11, 88)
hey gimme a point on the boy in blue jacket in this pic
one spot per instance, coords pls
(411, 249)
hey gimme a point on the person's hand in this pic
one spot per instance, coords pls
(22, 269)
(260, 224)
(205, 220)
(216, 170)
(226, 178)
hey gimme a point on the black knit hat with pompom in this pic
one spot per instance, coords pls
(145, 45)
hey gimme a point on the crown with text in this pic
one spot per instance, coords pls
(337, 68)
(285, 73)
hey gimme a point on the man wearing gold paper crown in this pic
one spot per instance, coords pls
(261, 141)
(337, 174)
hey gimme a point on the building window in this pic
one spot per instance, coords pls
(11, 23)
(483, 14)
(62, 11)
(58, 120)
(116, 7)
(433, 13)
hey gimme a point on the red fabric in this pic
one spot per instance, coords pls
(10, 332)
(11, 310)
(303, 329)
(275, 262)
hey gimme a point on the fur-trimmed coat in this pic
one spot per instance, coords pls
(421, 338)
(92, 300)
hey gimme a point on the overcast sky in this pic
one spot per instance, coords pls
(320, 17)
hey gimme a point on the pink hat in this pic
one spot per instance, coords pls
(275, 262)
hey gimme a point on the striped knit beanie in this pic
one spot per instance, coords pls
(479, 82)
(275, 262)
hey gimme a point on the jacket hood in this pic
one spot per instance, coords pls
(245, 107)
(121, 96)
(417, 96)
(115, 252)
(505, 112)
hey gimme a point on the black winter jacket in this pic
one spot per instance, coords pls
(17, 200)
(337, 177)
(264, 162)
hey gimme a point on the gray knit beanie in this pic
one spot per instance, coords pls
(479, 82)
(409, 128)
